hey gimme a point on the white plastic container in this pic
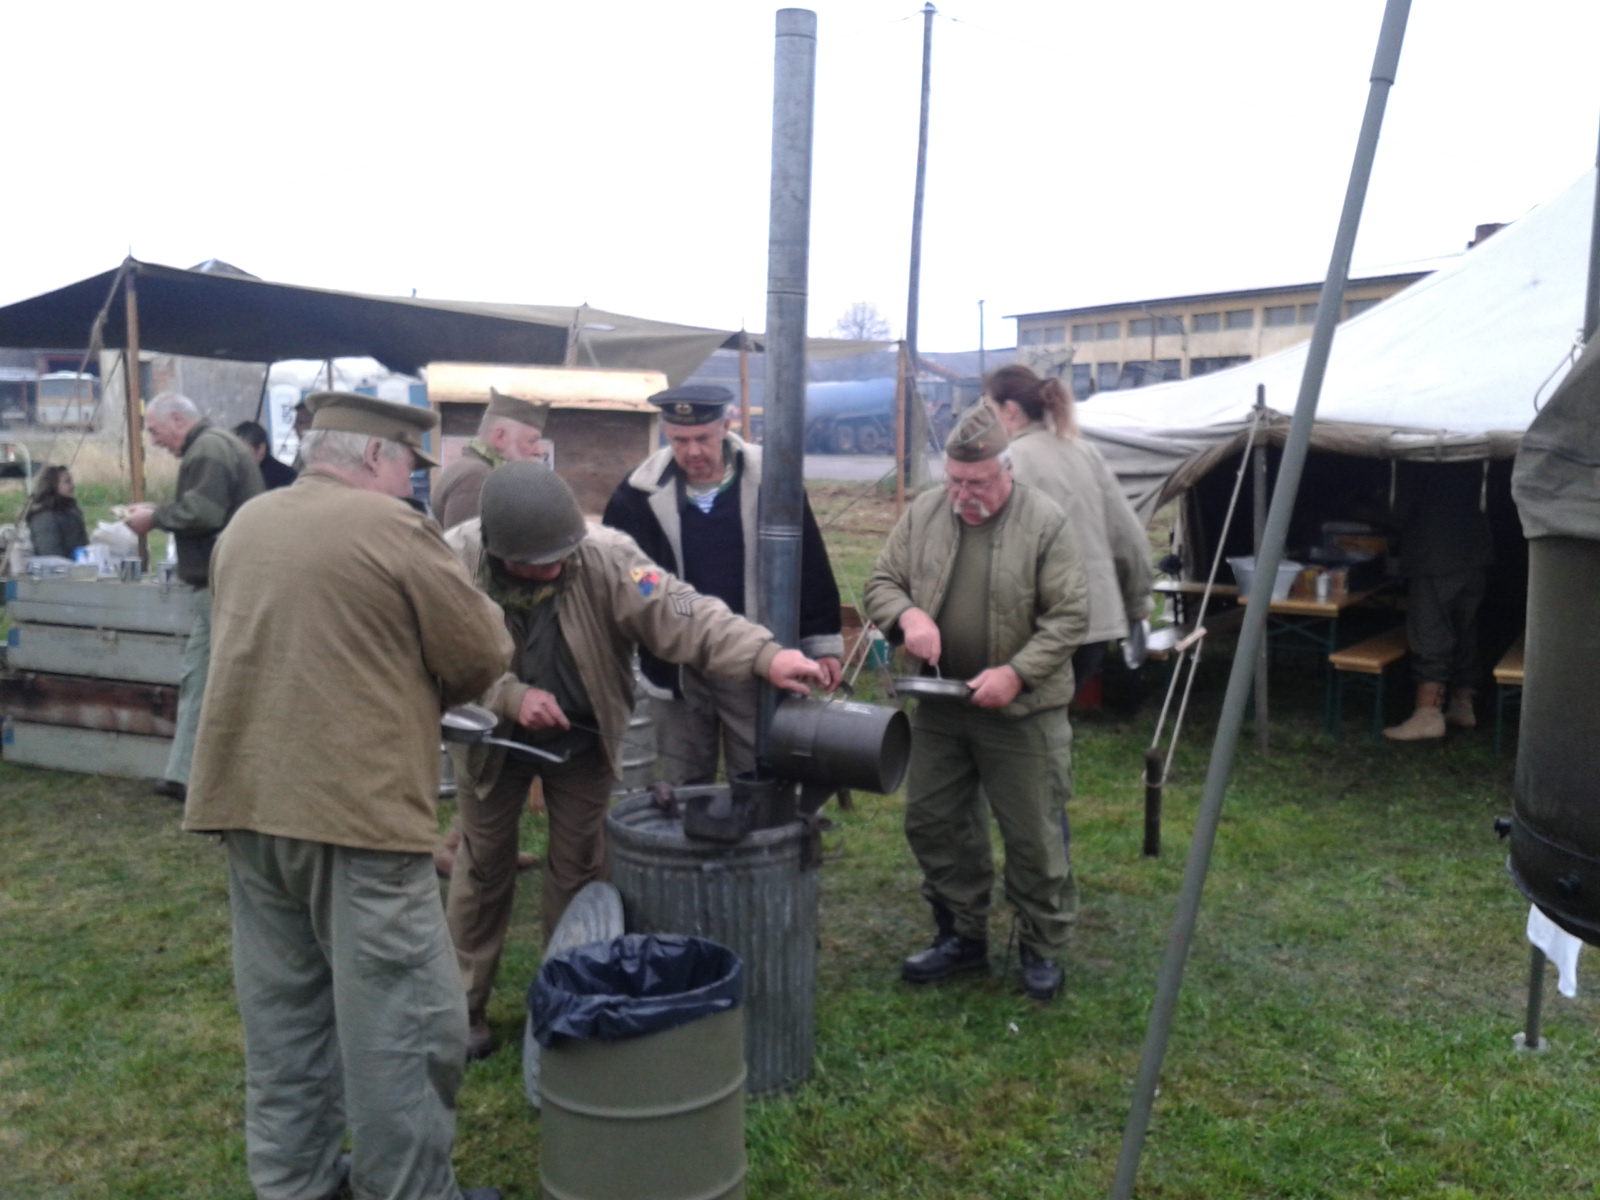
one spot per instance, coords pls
(1244, 571)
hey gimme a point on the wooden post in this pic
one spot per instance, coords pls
(744, 385)
(135, 406)
(1152, 803)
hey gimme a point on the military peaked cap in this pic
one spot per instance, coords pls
(351, 412)
(693, 403)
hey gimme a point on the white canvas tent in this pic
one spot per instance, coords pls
(1452, 368)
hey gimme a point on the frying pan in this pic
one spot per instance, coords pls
(471, 724)
(926, 687)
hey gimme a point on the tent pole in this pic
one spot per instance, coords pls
(130, 379)
(1591, 307)
(1259, 520)
(1170, 982)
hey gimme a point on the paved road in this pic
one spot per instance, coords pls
(860, 468)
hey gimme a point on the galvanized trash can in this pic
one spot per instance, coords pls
(757, 896)
(642, 1076)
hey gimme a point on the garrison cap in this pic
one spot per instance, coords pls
(693, 403)
(977, 436)
(525, 412)
(351, 412)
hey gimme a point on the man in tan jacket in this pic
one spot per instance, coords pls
(577, 600)
(322, 774)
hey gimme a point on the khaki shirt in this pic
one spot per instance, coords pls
(341, 626)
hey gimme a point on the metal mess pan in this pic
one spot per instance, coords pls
(472, 724)
(926, 687)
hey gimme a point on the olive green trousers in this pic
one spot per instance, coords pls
(963, 757)
(354, 1018)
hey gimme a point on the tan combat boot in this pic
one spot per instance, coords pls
(1459, 711)
(1428, 720)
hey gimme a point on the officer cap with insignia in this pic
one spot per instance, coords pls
(534, 413)
(978, 435)
(693, 403)
(351, 412)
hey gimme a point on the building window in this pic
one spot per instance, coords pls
(1206, 322)
(1082, 380)
(1134, 374)
(1168, 368)
(1043, 335)
(1204, 366)
(1083, 333)
(1105, 376)
(1109, 330)
(1278, 314)
(1169, 325)
(1141, 327)
(1239, 318)
(1352, 307)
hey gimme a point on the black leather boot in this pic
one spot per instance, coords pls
(949, 955)
(1041, 977)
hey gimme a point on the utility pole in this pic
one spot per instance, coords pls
(914, 467)
(981, 371)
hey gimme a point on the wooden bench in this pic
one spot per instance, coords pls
(1365, 663)
(1507, 686)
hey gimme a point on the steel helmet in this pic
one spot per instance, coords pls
(530, 514)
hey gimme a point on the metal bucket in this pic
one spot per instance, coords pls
(659, 1116)
(839, 742)
(754, 897)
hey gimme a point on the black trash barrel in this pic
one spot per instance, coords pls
(642, 1070)
(1555, 831)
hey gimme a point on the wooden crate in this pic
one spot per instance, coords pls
(143, 607)
(42, 699)
(96, 751)
(97, 653)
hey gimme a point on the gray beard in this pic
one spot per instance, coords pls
(984, 510)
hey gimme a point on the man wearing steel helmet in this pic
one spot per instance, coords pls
(577, 600)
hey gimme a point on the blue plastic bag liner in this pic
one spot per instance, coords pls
(636, 984)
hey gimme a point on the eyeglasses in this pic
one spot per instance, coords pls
(970, 486)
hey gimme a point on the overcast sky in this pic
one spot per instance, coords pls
(1080, 152)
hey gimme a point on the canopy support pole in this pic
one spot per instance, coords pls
(130, 379)
(1259, 520)
(1251, 634)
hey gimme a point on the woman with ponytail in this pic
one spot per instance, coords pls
(1048, 454)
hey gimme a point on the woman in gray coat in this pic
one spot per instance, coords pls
(55, 522)
(1049, 453)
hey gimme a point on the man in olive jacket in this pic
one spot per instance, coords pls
(216, 475)
(577, 600)
(322, 775)
(985, 582)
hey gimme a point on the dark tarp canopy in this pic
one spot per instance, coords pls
(211, 315)
(224, 313)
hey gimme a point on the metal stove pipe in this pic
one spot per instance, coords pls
(788, 255)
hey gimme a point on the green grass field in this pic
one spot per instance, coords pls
(1345, 1028)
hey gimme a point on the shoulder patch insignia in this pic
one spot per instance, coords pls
(645, 579)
